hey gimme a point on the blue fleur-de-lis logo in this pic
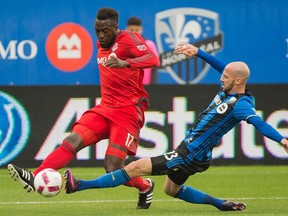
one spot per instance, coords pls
(14, 128)
(186, 25)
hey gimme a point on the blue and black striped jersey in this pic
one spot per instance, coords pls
(224, 112)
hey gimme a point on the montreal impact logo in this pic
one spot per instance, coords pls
(186, 25)
(14, 128)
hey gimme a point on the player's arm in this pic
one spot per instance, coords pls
(245, 110)
(190, 50)
(268, 131)
(148, 60)
(142, 55)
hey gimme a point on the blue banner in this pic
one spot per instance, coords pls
(53, 42)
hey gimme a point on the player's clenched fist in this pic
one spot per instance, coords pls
(116, 62)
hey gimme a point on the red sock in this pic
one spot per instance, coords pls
(139, 183)
(59, 158)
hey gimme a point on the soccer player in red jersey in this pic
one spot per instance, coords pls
(122, 56)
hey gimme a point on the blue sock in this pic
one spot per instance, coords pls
(111, 179)
(192, 195)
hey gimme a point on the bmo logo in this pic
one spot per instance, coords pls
(25, 49)
(69, 47)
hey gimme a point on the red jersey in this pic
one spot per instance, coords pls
(124, 86)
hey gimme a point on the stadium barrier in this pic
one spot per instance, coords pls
(35, 119)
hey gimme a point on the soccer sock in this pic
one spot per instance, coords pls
(139, 183)
(111, 179)
(58, 159)
(192, 195)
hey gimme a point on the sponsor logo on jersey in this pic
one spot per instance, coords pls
(186, 25)
(69, 47)
(14, 128)
(142, 47)
(222, 108)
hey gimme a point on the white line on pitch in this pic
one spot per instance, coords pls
(121, 201)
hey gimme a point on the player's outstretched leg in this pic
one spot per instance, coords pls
(23, 176)
(145, 199)
(192, 195)
(111, 179)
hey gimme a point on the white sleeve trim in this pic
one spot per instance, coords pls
(251, 116)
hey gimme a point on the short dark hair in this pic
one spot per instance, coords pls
(134, 21)
(107, 13)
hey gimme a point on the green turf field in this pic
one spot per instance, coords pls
(263, 188)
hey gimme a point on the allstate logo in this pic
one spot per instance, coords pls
(14, 128)
(186, 25)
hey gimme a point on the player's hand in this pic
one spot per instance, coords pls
(187, 49)
(116, 62)
(284, 143)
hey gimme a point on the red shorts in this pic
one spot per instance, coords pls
(120, 125)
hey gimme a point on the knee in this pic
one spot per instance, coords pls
(109, 167)
(112, 163)
(139, 167)
(169, 192)
(171, 188)
(75, 140)
(134, 166)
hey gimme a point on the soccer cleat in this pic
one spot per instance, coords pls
(71, 183)
(145, 199)
(233, 206)
(23, 176)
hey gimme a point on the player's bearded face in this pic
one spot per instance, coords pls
(228, 82)
(228, 86)
(106, 32)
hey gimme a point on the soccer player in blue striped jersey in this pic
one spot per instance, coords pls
(231, 105)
